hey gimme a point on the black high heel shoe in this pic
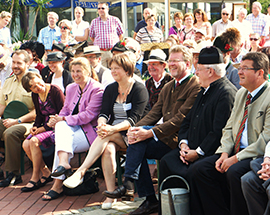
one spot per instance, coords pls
(60, 170)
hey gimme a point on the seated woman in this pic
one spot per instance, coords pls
(123, 105)
(76, 122)
(48, 100)
(58, 76)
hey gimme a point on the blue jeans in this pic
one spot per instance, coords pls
(136, 164)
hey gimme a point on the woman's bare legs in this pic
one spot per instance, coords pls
(31, 148)
(96, 149)
(109, 167)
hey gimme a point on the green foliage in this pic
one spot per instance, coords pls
(20, 36)
(264, 4)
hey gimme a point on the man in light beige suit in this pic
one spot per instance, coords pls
(216, 181)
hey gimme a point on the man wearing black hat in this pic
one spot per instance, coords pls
(200, 133)
(174, 102)
(216, 181)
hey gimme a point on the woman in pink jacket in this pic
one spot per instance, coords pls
(75, 124)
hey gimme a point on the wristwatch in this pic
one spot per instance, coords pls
(19, 120)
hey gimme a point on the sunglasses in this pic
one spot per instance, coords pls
(255, 39)
(225, 14)
(65, 28)
(101, 8)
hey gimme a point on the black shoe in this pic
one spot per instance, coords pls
(119, 192)
(11, 179)
(47, 180)
(36, 185)
(146, 208)
(60, 170)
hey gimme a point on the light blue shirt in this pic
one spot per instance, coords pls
(47, 35)
(5, 36)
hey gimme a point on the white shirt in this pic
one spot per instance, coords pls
(58, 82)
(78, 30)
(245, 28)
(106, 76)
(157, 83)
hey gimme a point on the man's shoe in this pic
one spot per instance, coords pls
(11, 179)
(146, 208)
(119, 192)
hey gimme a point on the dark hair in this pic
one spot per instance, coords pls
(123, 61)
(260, 61)
(23, 52)
(150, 16)
(200, 11)
(27, 78)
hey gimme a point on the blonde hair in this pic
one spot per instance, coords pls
(4, 14)
(66, 22)
(80, 9)
(187, 54)
(84, 63)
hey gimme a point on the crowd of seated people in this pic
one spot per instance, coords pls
(198, 101)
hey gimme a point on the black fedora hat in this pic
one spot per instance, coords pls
(56, 56)
(210, 55)
(61, 47)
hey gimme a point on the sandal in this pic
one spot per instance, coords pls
(53, 195)
(36, 185)
(60, 170)
(47, 180)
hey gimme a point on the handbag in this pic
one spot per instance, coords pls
(89, 185)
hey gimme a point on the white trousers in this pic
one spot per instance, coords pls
(69, 139)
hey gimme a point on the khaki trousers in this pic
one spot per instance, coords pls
(13, 137)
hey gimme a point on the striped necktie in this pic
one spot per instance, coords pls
(242, 126)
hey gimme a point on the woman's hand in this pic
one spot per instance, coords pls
(35, 130)
(54, 119)
(105, 130)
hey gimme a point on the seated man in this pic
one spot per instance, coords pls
(255, 185)
(14, 130)
(200, 133)
(174, 102)
(216, 180)
(159, 77)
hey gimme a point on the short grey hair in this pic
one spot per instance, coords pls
(53, 14)
(243, 10)
(258, 4)
(219, 68)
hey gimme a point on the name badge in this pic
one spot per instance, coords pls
(127, 106)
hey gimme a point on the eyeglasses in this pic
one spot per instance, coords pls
(255, 39)
(245, 68)
(65, 28)
(175, 61)
(101, 8)
(201, 69)
(225, 14)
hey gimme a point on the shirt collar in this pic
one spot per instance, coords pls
(157, 83)
(206, 89)
(254, 92)
(182, 79)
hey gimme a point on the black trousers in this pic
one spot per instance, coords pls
(213, 192)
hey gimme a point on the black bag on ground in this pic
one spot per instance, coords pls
(89, 185)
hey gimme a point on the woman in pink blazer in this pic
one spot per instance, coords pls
(75, 124)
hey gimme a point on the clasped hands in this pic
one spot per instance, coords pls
(225, 162)
(104, 130)
(137, 134)
(54, 119)
(187, 155)
(264, 172)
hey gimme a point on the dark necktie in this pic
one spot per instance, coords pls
(242, 126)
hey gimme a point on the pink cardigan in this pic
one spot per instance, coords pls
(89, 107)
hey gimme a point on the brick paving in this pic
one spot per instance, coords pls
(13, 201)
